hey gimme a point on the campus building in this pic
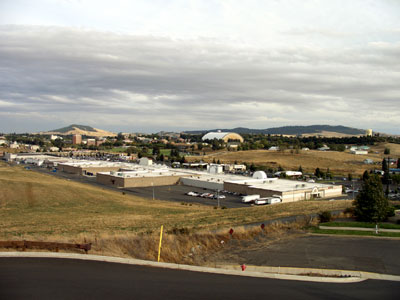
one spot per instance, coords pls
(225, 136)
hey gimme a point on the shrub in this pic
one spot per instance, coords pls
(349, 210)
(325, 216)
(390, 211)
(176, 230)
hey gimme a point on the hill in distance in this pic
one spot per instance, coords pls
(312, 130)
(80, 129)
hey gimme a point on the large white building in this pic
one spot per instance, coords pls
(225, 136)
(259, 184)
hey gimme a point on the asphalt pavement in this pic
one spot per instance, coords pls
(48, 278)
(379, 255)
(177, 193)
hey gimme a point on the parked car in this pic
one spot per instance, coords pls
(194, 194)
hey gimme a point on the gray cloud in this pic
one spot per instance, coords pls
(124, 82)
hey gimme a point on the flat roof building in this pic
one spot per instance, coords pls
(76, 139)
(140, 178)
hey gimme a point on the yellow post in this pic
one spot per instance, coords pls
(159, 247)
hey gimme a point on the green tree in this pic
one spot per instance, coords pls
(398, 163)
(385, 169)
(349, 177)
(387, 151)
(365, 175)
(370, 203)
(328, 173)
(384, 165)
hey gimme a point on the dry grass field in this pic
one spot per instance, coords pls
(338, 162)
(36, 206)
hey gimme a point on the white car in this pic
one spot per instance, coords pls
(194, 194)
(261, 201)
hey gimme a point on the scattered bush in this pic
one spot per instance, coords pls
(349, 210)
(325, 216)
(390, 211)
(176, 230)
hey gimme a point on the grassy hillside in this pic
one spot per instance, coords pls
(338, 162)
(292, 130)
(40, 206)
(72, 127)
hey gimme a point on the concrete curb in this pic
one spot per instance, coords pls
(325, 272)
(355, 236)
(233, 271)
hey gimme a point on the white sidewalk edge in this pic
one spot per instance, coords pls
(324, 272)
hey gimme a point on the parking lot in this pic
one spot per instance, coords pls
(178, 193)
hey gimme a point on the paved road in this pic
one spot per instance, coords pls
(34, 278)
(380, 255)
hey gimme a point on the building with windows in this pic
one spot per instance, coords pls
(76, 139)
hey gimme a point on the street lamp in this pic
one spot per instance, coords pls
(152, 184)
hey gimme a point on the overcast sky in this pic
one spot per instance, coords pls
(146, 66)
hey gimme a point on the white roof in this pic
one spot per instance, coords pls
(215, 135)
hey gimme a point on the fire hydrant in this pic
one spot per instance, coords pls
(243, 267)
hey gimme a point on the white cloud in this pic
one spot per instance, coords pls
(155, 65)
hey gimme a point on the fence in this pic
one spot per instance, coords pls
(44, 245)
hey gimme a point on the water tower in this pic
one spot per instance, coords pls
(368, 132)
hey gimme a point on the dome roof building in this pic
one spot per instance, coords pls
(225, 136)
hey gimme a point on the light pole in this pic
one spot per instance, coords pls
(218, 197)
(152, 184)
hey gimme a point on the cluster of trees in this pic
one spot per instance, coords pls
(325, 175)
(254, 141)
(371, 205)
(261, 141)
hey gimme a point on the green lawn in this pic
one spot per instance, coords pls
(118, 149)
(354, 232)
(166, 152)
(361, 224)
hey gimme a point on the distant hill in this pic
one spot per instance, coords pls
(325, 130)
(74, 127)
(80, 129)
